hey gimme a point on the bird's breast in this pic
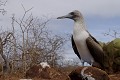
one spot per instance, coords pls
(80, 41)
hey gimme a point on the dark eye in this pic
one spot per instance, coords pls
(72, 13)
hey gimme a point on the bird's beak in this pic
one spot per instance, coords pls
(66, 16)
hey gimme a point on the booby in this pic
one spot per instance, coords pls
(85, 46)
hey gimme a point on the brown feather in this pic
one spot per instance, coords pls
(96, 51)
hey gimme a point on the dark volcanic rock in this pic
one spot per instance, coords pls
(37, 71)
(88, 73)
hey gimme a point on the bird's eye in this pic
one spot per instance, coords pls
(72, 13)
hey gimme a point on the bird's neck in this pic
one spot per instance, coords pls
(79, 26)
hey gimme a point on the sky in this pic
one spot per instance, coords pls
(99, 15)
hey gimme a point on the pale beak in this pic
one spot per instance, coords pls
(66, 16)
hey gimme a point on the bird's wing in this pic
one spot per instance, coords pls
(74, 47)
(93, 37)
(95, 50)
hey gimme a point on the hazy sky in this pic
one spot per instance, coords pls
(99, 15)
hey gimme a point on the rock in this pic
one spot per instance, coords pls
(115, 76)
(37, 71)
(88, 73)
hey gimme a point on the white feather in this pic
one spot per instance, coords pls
(80, 35)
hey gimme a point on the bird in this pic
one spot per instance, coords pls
(85, 46)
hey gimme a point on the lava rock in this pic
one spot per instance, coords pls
(37, 71)
(88, 73)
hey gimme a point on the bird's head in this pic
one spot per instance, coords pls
(75, 15)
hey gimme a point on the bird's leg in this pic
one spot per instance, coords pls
(82, 62)
(92, 62)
